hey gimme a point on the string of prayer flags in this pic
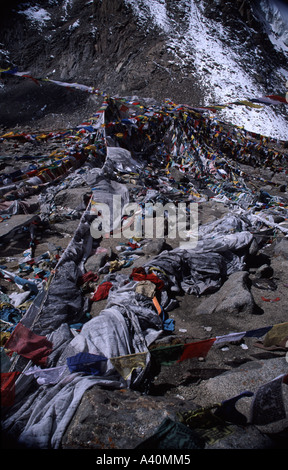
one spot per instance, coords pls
(167, 355)
(232, 337)
(268, 99)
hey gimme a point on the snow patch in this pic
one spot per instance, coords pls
(200, 47)
(74, 25)
(36, 15)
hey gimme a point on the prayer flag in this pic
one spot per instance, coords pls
(198, 349)
(126, 364)
(30, 345)
(8, 388)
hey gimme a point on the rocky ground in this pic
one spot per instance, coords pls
(253, 298)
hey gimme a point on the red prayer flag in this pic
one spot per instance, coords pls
(30, 345)
(282, 99)
(198, 349)
(8, 388)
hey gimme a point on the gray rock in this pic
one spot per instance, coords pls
(154, 247)
(249, 376)
(243, 438)
(233, 298)
(124, 419)
(73, 197)
(281, 248)
(95, 262)
(118, 419)
(264, 271)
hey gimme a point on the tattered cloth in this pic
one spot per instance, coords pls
(30, 345)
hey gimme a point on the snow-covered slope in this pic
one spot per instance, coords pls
(196, 52)
(205, 45)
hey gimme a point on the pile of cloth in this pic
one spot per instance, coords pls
(48, 365)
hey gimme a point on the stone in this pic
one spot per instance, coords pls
(154, 247)
(281, 248)
(249, 377)
(265, 271)
(118, 419)
(97, 261)
(73, 197)
(233, 298)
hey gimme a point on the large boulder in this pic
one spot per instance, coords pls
(233, 298)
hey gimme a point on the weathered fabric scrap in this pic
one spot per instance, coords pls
(268, 405)
(277, 336)
(8, 388)
(30, 345)
(208, 426)
(91, 364)
(197, 349)
(173, 435)
(102, 291)
(126, 364)
(167, 355)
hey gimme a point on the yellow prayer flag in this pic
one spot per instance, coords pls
(126, 364)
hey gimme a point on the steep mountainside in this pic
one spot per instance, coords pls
(193, 51)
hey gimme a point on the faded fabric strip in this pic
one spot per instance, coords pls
(8, 388)
(268, 405)
(30, 345)
(126, 364)
(198, 349)
(173, 435)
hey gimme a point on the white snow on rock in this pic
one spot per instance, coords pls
(36, 15)
(200, 43)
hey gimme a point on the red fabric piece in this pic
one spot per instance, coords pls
(271, 300)
(282, 99)
(139, 274)
(8, 388)
(88, 277)
(134, 246)
(30, 345)
(198, 349)
(102, 291)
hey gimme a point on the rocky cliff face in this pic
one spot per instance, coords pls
(198, 52)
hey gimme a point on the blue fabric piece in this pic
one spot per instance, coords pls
(258, 332)
(91, 364)
(169, 325)
(11, 314)
(26, 282)
(228, 412)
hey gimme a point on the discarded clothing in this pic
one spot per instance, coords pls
(146, 288)
(102, 291)
(139, 274)
(48, 376)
